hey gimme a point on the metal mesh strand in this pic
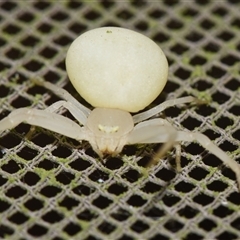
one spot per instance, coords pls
(56, 188)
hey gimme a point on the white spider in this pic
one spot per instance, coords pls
(118, 71)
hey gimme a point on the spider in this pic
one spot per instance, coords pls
(117, 71)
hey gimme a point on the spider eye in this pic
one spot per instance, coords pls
(108, 129)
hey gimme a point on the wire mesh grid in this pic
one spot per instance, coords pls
(54, 188)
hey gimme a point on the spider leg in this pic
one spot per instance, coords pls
(73, 109)
(177, 147)
(63, 94)
(157, 131)
(169, 103)
(154, 131)
(212, 148)
(45, 119)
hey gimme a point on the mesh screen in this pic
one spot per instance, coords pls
(54, 188)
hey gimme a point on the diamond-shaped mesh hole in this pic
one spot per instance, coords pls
(193, 236)
(174, 24)
(14, 54)
(69, 203)
(179, 48)
(8, 6)
(188, 212)
(212, 47)
(227, 235)
(16, 192)
(59, 16)
(106, 227)
(151, 187)
(52, 217)
(182, 73)
(203, 199)
(207, 224)
(217, 186)
(26, 17)
(139, 227)
(5, 231)
(83, 190)
(117, 189)
(124, 14)
(11, 167)
(230, 60)
(226, 36)
(233, 84)
(63, 40)
(30, 41)
(92, 15)
(121, 215)
(30, 179)
(142, 26)
(45, 28)
(62, 151)
(194, 37)
(74, 5)
(160, 37)
(18, 218)
(220, 11)
(198, 60)
(42, 140)
(190, 12)
(222, 211)
(27, 153)
(37, 230)
(33, 65)
(80, 164)
(4, 66)
(50, 191)
(10, 141)
(42, 5)
(98, 176)
(114, 163)
(160, 236)
(4, 206)
(236, 223)
(48, 52)
(136, 201)
(184, 187)
(173, 226)
(34, 204)
(154, 213)
(86, 215)
(207, 24)
(11, 29)
(64, 177)
(102, 202)
(131, 175)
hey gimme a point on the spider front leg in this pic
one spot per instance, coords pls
(62, 93)
(155, 131)
(78, 111)
(47, 120)
(74, 110)
(155, 110)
